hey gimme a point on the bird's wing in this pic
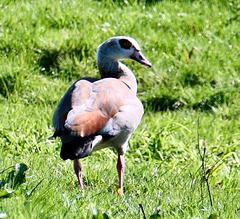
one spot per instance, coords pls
(68, 100)
(93, 105)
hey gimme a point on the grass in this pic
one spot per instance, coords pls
(45, 46)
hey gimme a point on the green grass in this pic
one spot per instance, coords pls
(46, 45)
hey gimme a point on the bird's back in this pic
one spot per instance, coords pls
(90, 108)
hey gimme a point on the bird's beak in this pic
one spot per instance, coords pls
(139, 57)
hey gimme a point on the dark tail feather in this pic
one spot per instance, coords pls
(59, 132)
(76, 149)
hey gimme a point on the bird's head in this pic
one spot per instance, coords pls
(122, 47)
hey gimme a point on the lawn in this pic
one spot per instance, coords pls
(183, 160)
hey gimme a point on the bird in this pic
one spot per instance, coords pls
(96, 113)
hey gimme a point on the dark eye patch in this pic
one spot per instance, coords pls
(125, 44)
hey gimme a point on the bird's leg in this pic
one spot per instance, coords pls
(78, 171)
(120, 169)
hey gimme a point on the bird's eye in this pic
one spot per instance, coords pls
(125, 44)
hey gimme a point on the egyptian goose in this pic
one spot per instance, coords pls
(98, 113)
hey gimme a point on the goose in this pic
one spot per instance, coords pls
(98, 113)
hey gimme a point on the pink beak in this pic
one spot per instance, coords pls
(139, 57)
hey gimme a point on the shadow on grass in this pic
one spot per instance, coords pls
(193, 79)
(163, 103)
(7, 84)
(122, 3)
(51, 58)
(214, 100)
(167, 102)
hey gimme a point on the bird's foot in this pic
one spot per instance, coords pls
(120, 192)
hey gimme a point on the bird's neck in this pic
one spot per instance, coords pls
(110, 68)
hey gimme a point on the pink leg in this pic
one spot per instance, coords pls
(78, 171)
(120, 168)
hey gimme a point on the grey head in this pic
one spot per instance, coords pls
(119, 48)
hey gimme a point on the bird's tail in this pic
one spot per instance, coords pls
(77, 148)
